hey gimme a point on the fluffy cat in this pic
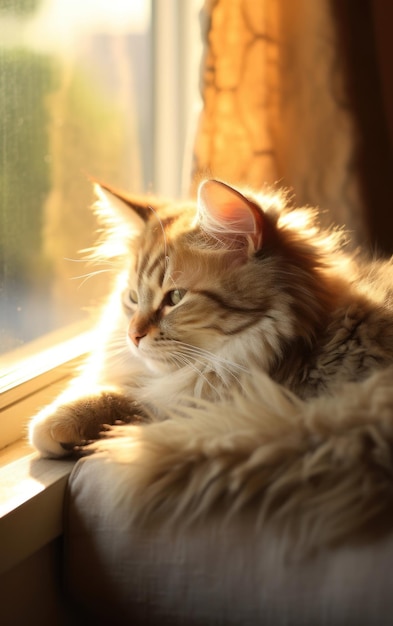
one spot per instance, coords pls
(252, 357)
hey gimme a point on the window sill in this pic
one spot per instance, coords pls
(32, 377)
(31, 503)
(32, 489)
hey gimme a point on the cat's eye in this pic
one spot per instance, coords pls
(173, 297)
(133, 296)
(130, 298)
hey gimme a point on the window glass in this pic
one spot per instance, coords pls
(75, 102)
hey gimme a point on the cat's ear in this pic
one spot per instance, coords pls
(118, 206)
(229, 216)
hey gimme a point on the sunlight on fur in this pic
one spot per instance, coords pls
(243, 362)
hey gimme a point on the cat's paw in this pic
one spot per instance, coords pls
(58, 429)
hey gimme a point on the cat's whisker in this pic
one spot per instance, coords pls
(116, 351)
(186, 362)
(117, 347)
(90, 275)
(66, 258)
(190, 360)
(217, 363)
(90, 262)
(216, 358)
(206, 363)
(179, 358)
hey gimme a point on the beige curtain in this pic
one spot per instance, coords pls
(275, 105)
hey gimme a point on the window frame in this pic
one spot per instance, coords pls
(28, 376)
(31, 502)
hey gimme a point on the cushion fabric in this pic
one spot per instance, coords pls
(212, 573)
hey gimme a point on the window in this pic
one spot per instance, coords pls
(87, 89)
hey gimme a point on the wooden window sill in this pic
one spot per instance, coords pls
(31, 502)
(32, 489)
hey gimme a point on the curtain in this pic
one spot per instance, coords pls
(280, 107)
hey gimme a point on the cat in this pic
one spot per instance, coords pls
(252, 356)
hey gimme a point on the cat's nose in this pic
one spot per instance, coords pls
(136, 336)
(138, 328)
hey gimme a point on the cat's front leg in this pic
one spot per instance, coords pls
(60, 427)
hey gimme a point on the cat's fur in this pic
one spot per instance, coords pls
(259, 354)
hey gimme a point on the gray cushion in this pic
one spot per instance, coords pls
(213, 573)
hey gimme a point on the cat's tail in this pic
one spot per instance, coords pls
(321, 470)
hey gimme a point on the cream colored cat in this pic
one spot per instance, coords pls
(251, 356)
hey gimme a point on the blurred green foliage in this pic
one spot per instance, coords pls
(19, 7)
(62, 116)
(25, 81)
(56, 125)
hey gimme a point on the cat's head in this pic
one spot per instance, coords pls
(213, 282)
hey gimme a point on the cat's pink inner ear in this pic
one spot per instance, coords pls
(225, 211)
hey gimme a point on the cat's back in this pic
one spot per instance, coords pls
(358, 340)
